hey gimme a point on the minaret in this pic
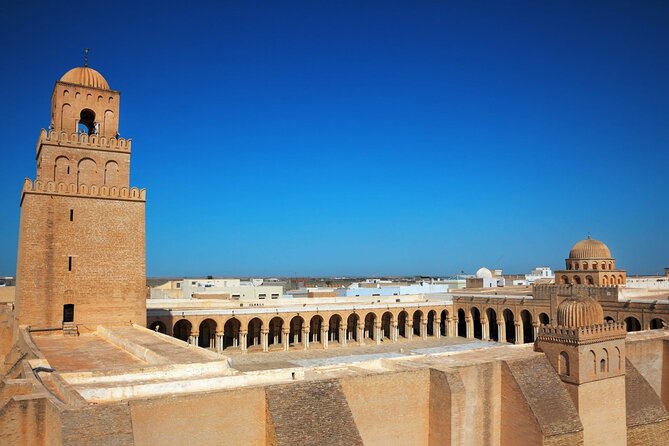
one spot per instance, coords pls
(589, 356)
(81, 256)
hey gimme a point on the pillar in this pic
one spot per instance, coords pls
(378, 332)
(264, 339)
(437, 327)
(324, 335)
(243, 334)
(519, 333)
(361, 333)
(219, 341)
(395, 330)
(286, 339)
(196, 337)
(449, 327)
(484, 330)
(535, 328)
(470, 327)
(501, 330)
(454, 326)
(342, 334)
(423, 329)
(305, 338)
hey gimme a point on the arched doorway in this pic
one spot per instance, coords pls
(462, 324)
(656, 324)
(231, 330)
(402, 323)
(255, 326)
(182, 329)
(493, 332)
(632, 324)
(386, 324)
(609, 320)
(159, 327)
(444, 320)
(544, 319)
(430, 322)
(417, 320)
(352, 327)
(509, 326)
(296, 324)
(370, 319)
(275, 336)
(476, 321)
(315, 325)
(334, 325)
(206, 338)
(528, 330)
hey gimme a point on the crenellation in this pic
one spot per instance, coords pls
(53, 188)
(82, 140)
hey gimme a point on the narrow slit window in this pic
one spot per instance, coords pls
(69, 263)
(71, 214)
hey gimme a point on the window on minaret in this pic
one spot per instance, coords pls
(87, 122)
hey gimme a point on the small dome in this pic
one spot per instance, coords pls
(579, 312)
(484, 273)
(85, 76)
(590, 249)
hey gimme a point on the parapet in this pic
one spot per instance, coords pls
(84, 140)
(581, 335)
(71, 189)
(601, 293)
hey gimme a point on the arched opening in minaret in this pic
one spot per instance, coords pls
(87, 122)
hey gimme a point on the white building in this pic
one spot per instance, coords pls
(228, 289)
(543, 273)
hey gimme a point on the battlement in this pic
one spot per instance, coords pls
(581, 335)
(71, 189)
(83, 140)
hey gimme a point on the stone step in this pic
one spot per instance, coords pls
(70, 329)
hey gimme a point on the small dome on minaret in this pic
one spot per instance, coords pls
(576, 312)
(85, 76)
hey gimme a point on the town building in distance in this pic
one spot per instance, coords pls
(88, 359)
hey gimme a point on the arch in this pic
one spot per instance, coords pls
(61, 168)
(509, 325)
(476, 321)
(182, 329)
(576, 265)
(431, 315)
(231, 330)
(87, 172)
(589, 280)
(585, 266)
(609, 320)
(657, 324)
(620, 280)
(563, 363)
(544, 319)
(275, 334)
(334, 326)
(462, 324)
(528, 329)
(442, 325)
(593, 361)
(605, 279)
(254, 329)
(296, 326)
(594, 265)
(577, 280)
(207, 333)
(352, 322)
(158, 326)
(603, 265)
(386, 324)
(87, 122)
(111, 173)
(565, 280)
(402, 323)
(417, 322)
(618, 359)
(604, 361)
(370, 319)
(632, 324)
(493, 330)
(109, 124)
(315, 328)
(65, 112)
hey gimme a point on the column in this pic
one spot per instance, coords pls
(470, 327)
(437, 328)
(325, 329)
(501, 330)
(409, 330)
(454, 326)
(342, 334)
(219, 341)
(449, 326)
(305, 338)
(395, 330)
(519, 333)
(535, 327)
(235, 339)
(423, 329)
(484, 329)
(196, 338)
(264, 339)
(286, 339)
(378, 333)
(242, 340)
(361, 333)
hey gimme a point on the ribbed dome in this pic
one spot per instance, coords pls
(580, 312)
(85, 76)
(590, 249)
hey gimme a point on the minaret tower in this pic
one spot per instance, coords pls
(81, 256)
(589, 356)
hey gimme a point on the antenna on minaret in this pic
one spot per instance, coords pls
(85, 57)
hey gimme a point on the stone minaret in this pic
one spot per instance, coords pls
(81, 256)
(589, 356)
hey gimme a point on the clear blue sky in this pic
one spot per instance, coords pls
(366, 138)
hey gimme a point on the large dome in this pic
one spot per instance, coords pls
(85, 76)
(579, 312)
(590, 249)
